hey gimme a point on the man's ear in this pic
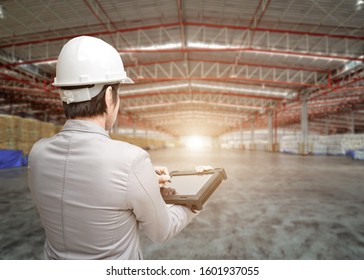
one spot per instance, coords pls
(108, 97)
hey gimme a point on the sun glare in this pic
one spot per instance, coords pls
(197, 142)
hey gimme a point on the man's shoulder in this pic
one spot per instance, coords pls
(40, 145)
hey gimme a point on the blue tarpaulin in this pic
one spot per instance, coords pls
(355, 154)
(11, 158)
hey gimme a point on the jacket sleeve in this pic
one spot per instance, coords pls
(156, 219)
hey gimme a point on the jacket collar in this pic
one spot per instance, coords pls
(84, 126)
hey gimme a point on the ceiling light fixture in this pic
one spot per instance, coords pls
(167, 46)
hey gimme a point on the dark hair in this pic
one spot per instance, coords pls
(91, 108)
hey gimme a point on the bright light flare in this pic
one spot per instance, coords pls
(197, 142)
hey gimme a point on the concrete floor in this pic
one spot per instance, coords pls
(273, 206)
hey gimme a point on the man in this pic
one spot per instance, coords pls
(94, 193)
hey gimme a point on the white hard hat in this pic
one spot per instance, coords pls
(84, 61)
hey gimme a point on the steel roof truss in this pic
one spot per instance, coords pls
(217, 70)
(165, 100)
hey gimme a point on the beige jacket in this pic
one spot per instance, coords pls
(93, 193)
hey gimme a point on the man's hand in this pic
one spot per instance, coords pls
(162, 175)
(202, 168)
(167, 191)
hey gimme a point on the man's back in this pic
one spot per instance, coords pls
(80, 189)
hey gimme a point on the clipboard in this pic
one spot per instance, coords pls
(194, 189)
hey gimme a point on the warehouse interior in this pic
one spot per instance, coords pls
(270, 90)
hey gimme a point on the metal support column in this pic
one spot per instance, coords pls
(275, 135)
(352, 122)
(252, 144)
(327, 125)
(134, 127)
(270, 130)
(146, 136)
(242, 135)
(303, 148)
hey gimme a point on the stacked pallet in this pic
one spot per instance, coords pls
(318, 145)
(9, 135)
(28, 133)
(353, 142)
(290, 144)
(21, 133)
(338, 144)
(47, 129)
